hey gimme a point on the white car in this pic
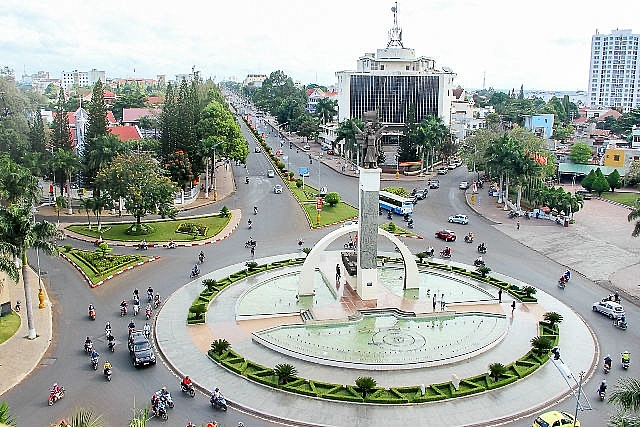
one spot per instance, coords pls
(464, 185)
(270, 173)
(460, 219)
(306, 147)
(443, 171)
(277, 189)
(609, 308)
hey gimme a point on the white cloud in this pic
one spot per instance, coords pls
(540, 45)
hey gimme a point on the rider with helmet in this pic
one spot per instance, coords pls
(186, 381)
(607, 361)
(106, 367)
(603, 387)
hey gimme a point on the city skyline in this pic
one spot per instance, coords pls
(495, 43)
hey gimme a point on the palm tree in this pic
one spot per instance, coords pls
(18, 233)
(626, 396)
(365, 385)
(633, 215)
(552, 317)
(99, 203)
(87, 205)
(285, 373)
(68, 162)
(60, 204)
(496, 159)
(432, 134)
(496, 370)
(347, 133)
(5, 415)
(85, 418)
(326, 110)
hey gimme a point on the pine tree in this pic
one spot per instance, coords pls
(97, 111)
(60, 135)
(408, 150)
(168, 124)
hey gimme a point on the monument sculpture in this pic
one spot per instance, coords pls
(368, 139)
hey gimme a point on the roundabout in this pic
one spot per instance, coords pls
(223, 322)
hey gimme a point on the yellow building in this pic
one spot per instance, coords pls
(614, 157)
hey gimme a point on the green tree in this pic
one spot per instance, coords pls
(59, 204)
(614, 180)
(633, 215)
(626, 397)
(285, 373)
(83, 417)
(553, 318)
(219, 346)
(16, 182)
(309, 128)
(408, 147)
(347, 134)
(365, 385)
(18, 234)
(99, 154)
(97, 110)
(179, 168)
(5, 415)
(562, 133)
(103, 250)
(600, 183)
(87, 205)
(587, 181)
(332, 198)
(60, 134)
(580, 153)
(140, 181)
(432, 136)
(632, 177)
(326, 110)
(38, 141)
(68, 162)
(496, 370)
(541, 345)
(219, 131)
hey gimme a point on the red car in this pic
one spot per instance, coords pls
(446, 235)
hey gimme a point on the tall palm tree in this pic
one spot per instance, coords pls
(87, 205)
(100, 154)
(496, 159)
(326, 110)
(85, 418)
(347, 133)
(68, 162)
(633, 215)
(18, 233)
(432, 134)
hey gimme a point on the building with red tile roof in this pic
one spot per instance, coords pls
(126, 133)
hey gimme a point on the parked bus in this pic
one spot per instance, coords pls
(394, 203)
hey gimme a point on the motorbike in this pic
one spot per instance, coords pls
(107, 374)
(482, 249)
(188, 389)
(251, 244)
(194, 273)
(156, 301)
(112, 346)
(92, 314)
(606, 368)
(55, 395)
(562, 282)
(350, 245)
(255, 210)
(468, 239)
(136, 308)
(246, 180)
(430, 251)
(602, 394)
(201, 258)
(410, 223)
(160, 411)
(478, 263)
(123, 310)
(171, 245)
(620, 324)
(444, 254)
(513, 214)
(167, 400)
(147, 313)
(88, 347)
(625, 364)
(219, 403)
(142, 246)
(94, 363)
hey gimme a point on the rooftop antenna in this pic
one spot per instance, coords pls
(395, 33)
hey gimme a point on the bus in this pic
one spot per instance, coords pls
(394, 203)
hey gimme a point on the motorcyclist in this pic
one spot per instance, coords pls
(171, 243)
(482, 247)
(149, 308)
(106, 367)
(607, 361)
(186, 381)
(87, 343)
(249, 222)
(255, 210)
(142, 244)
(195, 271)
(123, 306)
(621, 321)
(567, 275)
(201, 256)
(154, 401)
(91, 309)
(626, 356)
(147, 329)
(131, 326)
(447, 251)
(603, 387)
(111, 340)
(215, 395)
(479, 260)
(430, 250)
(107, 328)
(163, 393)
(55, 388)
(149, 293)
(410, 222)
(156, 300)
(94, 355)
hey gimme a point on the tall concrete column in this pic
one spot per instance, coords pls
(369, 186)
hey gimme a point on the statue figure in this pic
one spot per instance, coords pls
(369, 139)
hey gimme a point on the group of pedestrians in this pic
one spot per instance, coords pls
(435, 300)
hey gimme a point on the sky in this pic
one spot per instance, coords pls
(543, 45)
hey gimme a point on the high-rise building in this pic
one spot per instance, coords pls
(77, 78)
(390, 81)
(614, 72)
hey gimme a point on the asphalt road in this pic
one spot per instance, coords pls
(277, 228)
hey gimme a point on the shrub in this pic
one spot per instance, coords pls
(192, 228)
(306, 250)
(219, 346)
(67, 248)
(391, 227)
(251, 265)
(291, 175)
(365, 385)
(484, 270)
(421, 256)
(529, 291)
(541, 345)
(496, 370)
(299, 183)
(552, 317)
(224, 212)
(198, 310)
(285, 373)
(102, 250)
(332, 198)
(281, 166)
(210, 284)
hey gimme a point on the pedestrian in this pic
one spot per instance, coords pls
(443, 304)
(434, 301)
(338, 273)
(513, 306)
(500, 295)
(518, 225)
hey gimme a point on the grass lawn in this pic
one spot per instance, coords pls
(9, 325)
(398, 231)
(329, 215)
(162, 230)
(100, 269)
(626, 198)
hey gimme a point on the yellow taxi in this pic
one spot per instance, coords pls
(555, 419)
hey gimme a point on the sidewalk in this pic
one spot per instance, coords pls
(20, 355)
